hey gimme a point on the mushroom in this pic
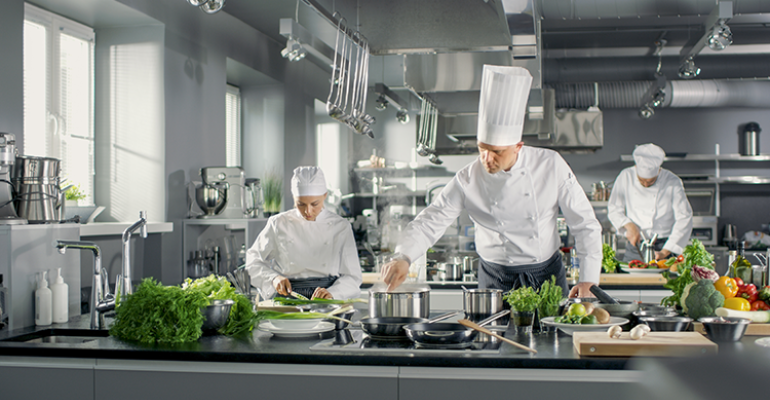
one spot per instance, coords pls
(614, 331)
(645, 328)
(637, 332)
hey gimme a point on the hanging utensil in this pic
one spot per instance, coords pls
(332, 107)
(481, 329)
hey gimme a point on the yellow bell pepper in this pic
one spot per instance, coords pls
(737, 303)
(726, 286)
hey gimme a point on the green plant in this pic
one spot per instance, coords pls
(522, 299)
(272, 189)
(74, 193)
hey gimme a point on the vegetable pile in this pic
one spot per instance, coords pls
(171, 314)
(694, 254)
(609, 263)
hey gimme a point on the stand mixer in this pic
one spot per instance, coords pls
(222, 193)
(8, 214)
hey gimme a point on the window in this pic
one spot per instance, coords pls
(59, 95)
(233, 126)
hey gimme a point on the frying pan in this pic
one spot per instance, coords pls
(448, 333)
(393, 327)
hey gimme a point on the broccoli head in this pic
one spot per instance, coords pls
(701, 299)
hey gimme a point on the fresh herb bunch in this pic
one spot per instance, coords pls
(272, 191)
(522, 299)
(694, 254)
(609, 262)
(159, 314)
(549, 296)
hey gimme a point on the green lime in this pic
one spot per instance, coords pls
(577, 309)
(588, 320)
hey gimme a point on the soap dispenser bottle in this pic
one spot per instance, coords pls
(43, 314)
(60, 294)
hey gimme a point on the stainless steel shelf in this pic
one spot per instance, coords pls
(707, 157)
(391, 194)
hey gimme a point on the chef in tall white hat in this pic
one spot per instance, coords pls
(307, 250)
(647, 200)
(512, 194)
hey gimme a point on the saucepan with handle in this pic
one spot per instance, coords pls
(393, 327)
(447, 333)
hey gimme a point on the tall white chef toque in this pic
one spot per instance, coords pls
(502, 105)
(308, 181)
(648, 158)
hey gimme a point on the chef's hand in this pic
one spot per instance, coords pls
(282, 285)
(632, 233)
(321, 293)
(662, 255)
(394, 273)
(582, 289)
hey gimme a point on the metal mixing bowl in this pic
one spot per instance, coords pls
(212, 199)
(724, 329)
(215, 315)
(623, 309)
(666, 324)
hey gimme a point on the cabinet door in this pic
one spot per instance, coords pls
(43, 378)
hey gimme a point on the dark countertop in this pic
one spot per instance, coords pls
(555, 350)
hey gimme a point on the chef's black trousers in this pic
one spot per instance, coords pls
(506, 277)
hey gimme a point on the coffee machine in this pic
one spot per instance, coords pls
(8, 214)
(229, 180)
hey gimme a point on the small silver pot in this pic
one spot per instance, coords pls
(482, 303)
(447, 271)
(404, 302)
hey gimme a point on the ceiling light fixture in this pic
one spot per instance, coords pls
(402, 116)
(212, 6)
(293, 50)
(720, 37)
(381, 103)
(688, 69)
(716, 34)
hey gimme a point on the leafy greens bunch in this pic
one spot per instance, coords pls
(522, 299)
(694, 254)
(242, 316)
(609, 262)
(549, 295)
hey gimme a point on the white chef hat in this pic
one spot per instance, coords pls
(648, 158)
(308, 181)
(504, 94)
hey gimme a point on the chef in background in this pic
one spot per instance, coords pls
(307, 249)
(512, 194)
(647, 199)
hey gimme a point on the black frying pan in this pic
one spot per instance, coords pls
(393, 327)
(447, 333)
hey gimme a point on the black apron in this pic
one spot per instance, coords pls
(632, 254)
(306, 286)
(504, 277)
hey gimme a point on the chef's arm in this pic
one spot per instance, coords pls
(348, 284)
(258, 260)
(682, 229)
(423, 232)
(579, 215)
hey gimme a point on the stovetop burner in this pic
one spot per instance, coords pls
(357, 341)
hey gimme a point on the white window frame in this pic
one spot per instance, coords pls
(56, 132)
(233, 126)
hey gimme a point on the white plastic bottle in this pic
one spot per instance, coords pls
(43, 306)
(60, 294)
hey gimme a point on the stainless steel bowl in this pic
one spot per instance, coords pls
(215, 315)
(724, 329)
(666, 324)
(212, 199)
(623, 309)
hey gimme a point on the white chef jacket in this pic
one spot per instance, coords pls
(514, 213)
(294, 247)
(662, 208)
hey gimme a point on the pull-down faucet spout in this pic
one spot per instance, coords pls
(101, 299)
(123, 283)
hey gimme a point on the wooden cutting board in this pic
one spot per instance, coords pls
(656, 344)
(751, 330)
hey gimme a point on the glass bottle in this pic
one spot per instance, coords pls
(741, 267)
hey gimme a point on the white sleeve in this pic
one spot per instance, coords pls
(348, 285)
(616, 206)
(430, 224)
(259, 258)
(682, 229)
(583, 224)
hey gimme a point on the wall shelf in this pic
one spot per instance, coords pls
(706, 157)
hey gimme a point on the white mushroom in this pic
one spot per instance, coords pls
(637, 332)
(614, 331)
(644, 327)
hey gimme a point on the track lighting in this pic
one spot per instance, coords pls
(402, 116)
(294, 50)
(381, 103)
(208, 6)
(688, 70)
(720, 37)
(646, 112)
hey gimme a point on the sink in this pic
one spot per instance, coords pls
(66, 336)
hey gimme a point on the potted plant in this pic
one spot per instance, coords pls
(272, 191)
(73, 195)
(550, 295)
(523, 302)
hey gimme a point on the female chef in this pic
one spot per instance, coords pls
(307, 249)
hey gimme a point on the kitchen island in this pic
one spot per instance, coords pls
(91, 365)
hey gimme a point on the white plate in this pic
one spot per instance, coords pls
(320, 328)
(569, 328)
(296, 324)
(764, 342)
(643, 270)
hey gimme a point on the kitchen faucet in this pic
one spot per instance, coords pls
(101, 299)
(123, 285)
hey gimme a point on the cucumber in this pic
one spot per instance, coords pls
(754, 316)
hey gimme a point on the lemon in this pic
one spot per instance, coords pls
(577, 309)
